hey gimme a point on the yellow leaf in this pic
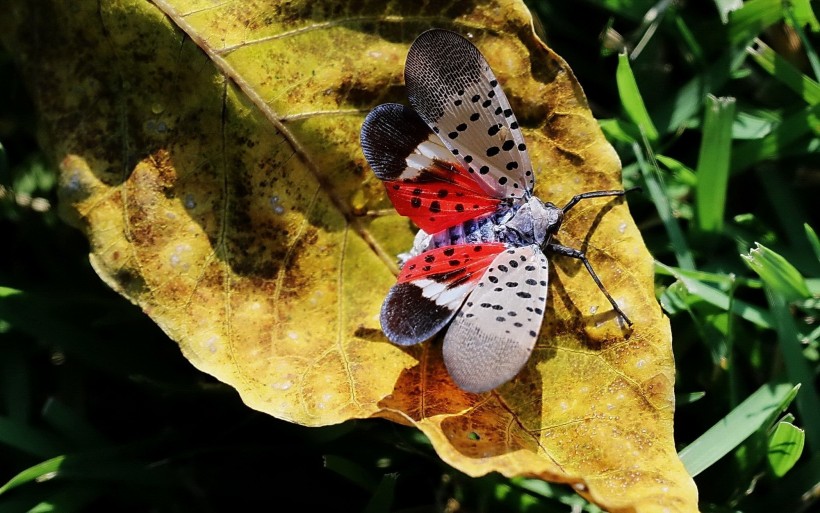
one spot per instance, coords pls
(210, 153)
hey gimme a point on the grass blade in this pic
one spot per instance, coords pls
(631, 99)
(785, 448)
(797, 369)
(689, 398)
(25, 438)
(792, 128)
(619, 130)
(680, 171)
(657, 191)
(99, 466)
(40, 472)
(790, 215)
(721, 279)
(71, 425)
(782, 70)
(798, 14)
(749, 312)
(814, 242)
(382, 499)
(777, 273)
(690, 41)
(753, 18)
(685, 103)
(713, 164)
(68, 499)
(757, 411)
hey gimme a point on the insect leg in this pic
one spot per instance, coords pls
(574, 253)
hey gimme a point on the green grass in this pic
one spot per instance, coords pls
(711, 114)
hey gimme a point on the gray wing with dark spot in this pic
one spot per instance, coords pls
(453, 89)
(492, 336)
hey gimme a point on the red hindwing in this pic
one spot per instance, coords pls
(442, 196)
(451, 265)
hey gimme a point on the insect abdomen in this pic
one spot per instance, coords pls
(473, 231)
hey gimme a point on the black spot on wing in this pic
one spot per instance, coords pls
(390, 133)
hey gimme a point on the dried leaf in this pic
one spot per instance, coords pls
(210, 152)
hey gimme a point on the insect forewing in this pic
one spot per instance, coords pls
(431, 288)
(454, 91)
(424, 180)
(492, 336)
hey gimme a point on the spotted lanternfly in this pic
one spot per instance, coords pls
(456, 164)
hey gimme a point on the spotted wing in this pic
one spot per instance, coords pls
(424, 180)
(431, 288)
(454, 91)
(495, 331)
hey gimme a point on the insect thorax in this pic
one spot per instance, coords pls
(534, 223)
(520, 224)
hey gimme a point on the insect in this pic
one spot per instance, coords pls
(456, 164)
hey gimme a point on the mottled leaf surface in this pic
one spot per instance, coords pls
(210, 153)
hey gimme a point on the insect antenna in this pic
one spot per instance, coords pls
(595, 194)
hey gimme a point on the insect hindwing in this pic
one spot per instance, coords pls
(423, 179)
(431, 288)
